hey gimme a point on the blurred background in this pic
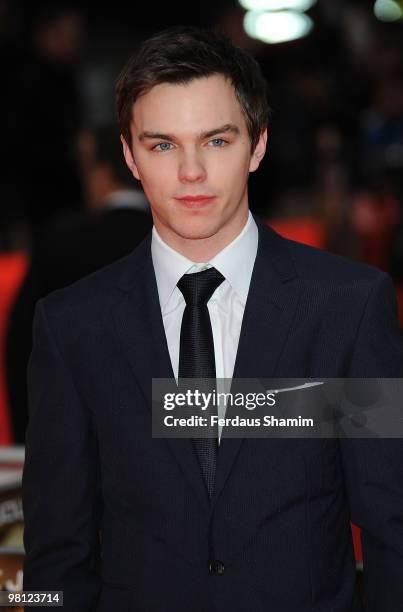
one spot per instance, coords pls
(332, 176)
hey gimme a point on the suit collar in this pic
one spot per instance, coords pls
(272, 252)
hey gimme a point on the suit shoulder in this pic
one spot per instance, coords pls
(315, 264)
(90, 296)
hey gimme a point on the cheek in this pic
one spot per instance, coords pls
(229, 173)
(156, 178)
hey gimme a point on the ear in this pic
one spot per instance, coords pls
(259, 151)
(128, 155)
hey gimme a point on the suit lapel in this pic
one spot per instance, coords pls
(141, 333)
(269, 314)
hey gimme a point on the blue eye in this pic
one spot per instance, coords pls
(162, 146)
(217, 142)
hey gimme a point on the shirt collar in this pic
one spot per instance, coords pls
(237, 259)
(235, 262)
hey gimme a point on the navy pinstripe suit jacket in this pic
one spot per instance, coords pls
(119, 520)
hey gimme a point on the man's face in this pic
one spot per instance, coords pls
(192, 153)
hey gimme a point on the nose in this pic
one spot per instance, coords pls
(191, 168)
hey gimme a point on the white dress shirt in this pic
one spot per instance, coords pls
(227, 304)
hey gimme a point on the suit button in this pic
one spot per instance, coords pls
(216, 567)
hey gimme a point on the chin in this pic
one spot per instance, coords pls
(196, 231)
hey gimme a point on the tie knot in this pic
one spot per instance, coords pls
(198, 288)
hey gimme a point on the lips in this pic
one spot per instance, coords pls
(195, 198)
(195, 201)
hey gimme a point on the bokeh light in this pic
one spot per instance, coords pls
(277, 27)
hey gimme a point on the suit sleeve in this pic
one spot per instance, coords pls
(374, 467)
(60, 480)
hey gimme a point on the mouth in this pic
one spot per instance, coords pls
(196, 201)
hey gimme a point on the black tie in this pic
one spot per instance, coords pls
(196, 357)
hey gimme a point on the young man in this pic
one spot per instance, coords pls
(119, 520)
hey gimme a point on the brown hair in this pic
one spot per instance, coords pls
(179, 55)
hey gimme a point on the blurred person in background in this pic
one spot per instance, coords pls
(74, 245)
(375, 213)
(11, 59)
(47, 108)
(382, 132)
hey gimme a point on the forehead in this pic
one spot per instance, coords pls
(200, 104)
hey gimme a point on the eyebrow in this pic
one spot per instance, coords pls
(222, 129)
